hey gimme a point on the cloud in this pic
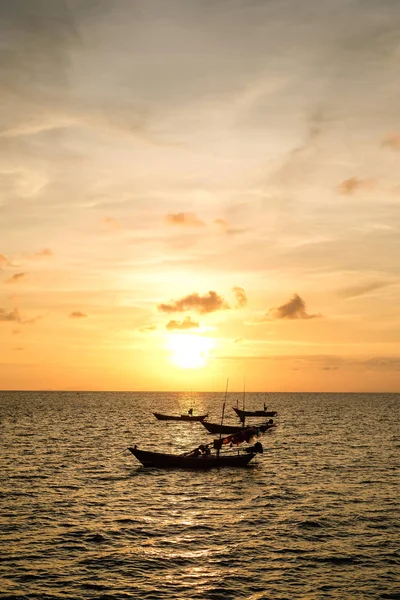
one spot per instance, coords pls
(32, 320)
(360, 290)
(35, 63)
(187, 323)
(12, 315)
(392, 141)
(77, 314)
(45, 253)
(4, 262)
(112, 223)
(227, 228)
(382, 363)
(148, 328)
(16, 277)
(208, 303)
(321, 362)
(39, 49)
(221, 223)
(39, 126)
(354, 184)
(241, 298)
(296, 163)
(191, 220)
(294, 309)
(184, 220)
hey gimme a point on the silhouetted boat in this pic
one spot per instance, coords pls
(188, 417)
(243, 414)
(218, 428)
(205, 456)
(161, 460)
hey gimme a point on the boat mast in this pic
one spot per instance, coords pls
(222, 418)
(243, 419)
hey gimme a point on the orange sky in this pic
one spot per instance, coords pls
(195, 191)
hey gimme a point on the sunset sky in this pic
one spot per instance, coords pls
(196, 190)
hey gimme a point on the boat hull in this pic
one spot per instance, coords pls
(242, 414)
(174, 461)
(162, 417)
(218, 428)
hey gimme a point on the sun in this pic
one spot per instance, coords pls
(189, 351)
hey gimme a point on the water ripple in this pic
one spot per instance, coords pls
(314, 518)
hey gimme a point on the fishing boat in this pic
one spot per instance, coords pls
(243, 414)
(193, 460)
(218, 428)
(206, 456)
(188, 417)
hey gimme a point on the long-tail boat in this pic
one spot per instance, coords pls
(193, 460)
(218, 428)
(243, 414)
(188, 417)
(206, 456)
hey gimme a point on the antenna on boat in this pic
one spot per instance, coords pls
(243, 419)
(222, 418)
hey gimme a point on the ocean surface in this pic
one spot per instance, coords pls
(316, 516)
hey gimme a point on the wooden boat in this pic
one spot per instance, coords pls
(187, 417)
(243, 414)
(218, 428)
(161, 460)
(205, 456)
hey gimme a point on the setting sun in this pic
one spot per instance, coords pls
(189, 351)
(201, 198)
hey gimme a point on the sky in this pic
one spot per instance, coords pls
(197, 191)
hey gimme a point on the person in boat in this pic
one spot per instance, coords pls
(196, 452)
(190, 412)
(265, 407)
(204, 449)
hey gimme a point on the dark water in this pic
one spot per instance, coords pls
(317, 516)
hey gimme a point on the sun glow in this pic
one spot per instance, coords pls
(189, 351)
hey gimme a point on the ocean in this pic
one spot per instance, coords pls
(315, 516)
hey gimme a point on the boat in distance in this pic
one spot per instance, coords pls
(162, 460)
(188, 417)
(243, 414)
(218, 428)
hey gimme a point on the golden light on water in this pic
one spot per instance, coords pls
(189, 351)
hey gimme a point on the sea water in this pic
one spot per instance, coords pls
(316, 516)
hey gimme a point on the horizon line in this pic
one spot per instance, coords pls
(190, 391)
